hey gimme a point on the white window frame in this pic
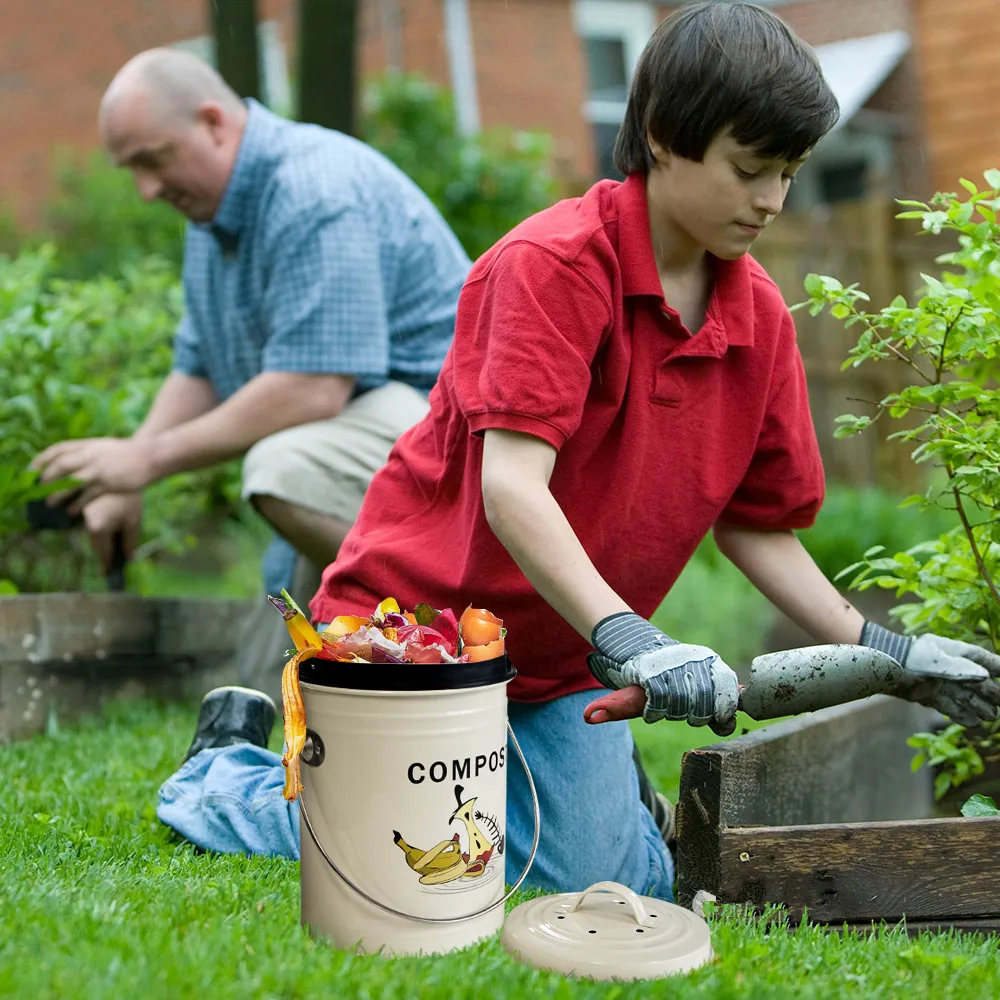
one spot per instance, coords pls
(631, 21)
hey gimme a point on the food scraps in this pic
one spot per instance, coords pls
(424, 635)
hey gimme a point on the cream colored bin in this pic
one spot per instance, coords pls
(403, 813)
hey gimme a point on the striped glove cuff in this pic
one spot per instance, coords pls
(886, 641)
(625, 634)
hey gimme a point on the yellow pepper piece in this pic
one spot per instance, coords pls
(387, 607)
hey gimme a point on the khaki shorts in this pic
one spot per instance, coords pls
(326, 466)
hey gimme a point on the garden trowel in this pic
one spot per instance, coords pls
(807, 679)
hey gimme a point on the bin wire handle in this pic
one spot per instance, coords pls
(440, 920)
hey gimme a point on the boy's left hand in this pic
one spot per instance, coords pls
(955, 678)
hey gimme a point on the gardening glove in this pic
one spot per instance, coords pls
(682, 681)
(953, 677)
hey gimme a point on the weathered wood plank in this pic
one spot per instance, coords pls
(841, 765)
(921, 869)
(62, 655)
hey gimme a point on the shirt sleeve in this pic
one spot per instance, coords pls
(324, 307)
(187, 349)
(784, 486)
(527, 333)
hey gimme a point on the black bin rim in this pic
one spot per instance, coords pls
(406, 676)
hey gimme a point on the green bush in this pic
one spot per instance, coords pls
(484, 185)
(84, 359)
(948, 339)
(99, 224)
(853, 520)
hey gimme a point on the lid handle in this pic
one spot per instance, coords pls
(626, 895)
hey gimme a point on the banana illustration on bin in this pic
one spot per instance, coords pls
(446, 861)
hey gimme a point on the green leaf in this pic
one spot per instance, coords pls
(980, 805)
(814, 285)
(968, 185)
(8, 587)
(918, 762)
(993, 178)
(425, 614)
(942, 783)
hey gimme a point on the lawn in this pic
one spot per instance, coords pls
(97, 900)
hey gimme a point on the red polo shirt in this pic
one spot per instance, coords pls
(563, 333)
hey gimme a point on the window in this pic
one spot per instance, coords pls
(614, 33)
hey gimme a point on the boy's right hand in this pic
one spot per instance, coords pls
(679, 681)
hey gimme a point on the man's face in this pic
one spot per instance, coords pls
(727, 200)
(186, 163)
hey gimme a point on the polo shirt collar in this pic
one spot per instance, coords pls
(731, 306)
(256, 155)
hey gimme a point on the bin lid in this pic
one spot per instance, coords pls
(607, 932)
(405, 676)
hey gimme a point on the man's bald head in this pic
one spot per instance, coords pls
(177, 125)
(173, 85)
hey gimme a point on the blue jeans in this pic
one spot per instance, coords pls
(594, 826)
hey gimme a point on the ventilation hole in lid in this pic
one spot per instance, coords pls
(652, 914)
(560, 917)
(620, 902)
(591, 932)
(639, 930)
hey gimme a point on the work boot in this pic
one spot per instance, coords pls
(231, 715)
(657, 803)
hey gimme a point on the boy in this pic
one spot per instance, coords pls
(624, 378)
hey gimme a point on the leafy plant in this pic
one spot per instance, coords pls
(82, 359)
(483, 184)
(949, 342)
(854, 520)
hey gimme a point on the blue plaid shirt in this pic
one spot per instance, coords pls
(322, 257)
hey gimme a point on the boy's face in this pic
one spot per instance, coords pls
(724, 202)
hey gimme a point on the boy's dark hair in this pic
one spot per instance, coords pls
(720, 65)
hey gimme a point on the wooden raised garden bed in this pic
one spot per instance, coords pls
(823, 814)
(62, 655)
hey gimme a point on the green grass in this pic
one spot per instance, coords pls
(98, 901)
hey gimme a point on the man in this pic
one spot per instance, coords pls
(320, 288)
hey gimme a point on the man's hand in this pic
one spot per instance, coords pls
(955, 678)
(102, 465)
(110, 515)
(659, 677)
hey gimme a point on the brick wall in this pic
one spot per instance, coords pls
(531, 74)
(529, 62)
(959, 60)
(56, 58)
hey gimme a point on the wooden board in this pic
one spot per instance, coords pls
(823, 813)
(63, 655)
(928, 869)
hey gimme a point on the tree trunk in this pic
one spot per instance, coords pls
(234, 24)
(327, 88)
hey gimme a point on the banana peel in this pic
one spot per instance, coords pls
(308, 642)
